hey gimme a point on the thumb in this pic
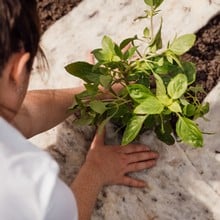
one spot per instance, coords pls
(99, 138)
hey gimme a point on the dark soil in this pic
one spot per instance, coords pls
(205, 54)
(52, 10)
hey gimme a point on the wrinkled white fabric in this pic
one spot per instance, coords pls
(29, 185)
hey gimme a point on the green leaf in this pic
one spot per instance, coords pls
(143, 66)
(169, 58)
(177, 86)
(98, 106)
(155, 3)
(183, 101)
(108, 45)
(105, 81)
(182, 44)
(190, 71)
(164, 69)
(146, 32)
(130, 52)
(189, 132)
(151, 105)
(127, 41)
(138, 92)
(166, 137)
(83, 70)
(160, 62)
(175, 107)
(85, 94)
(165, 100)
(201, 111)
(116, 58)
(157, 43)
(149, 2)
(205, 108)
(160, 87)
(133, 128)
(150, 122)
(189, 110)
(196, 89)
(100, 55)
(172, 57)
(91, 89)
(108, 52)
(118, 51)
(85, 120)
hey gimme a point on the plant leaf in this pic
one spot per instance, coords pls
(157, 43)
(160, 62)
(108, 52)
(105, 80)
(132, 129)
(177, 86)
(100, 55)
(189, 110)
(91, 89)
(155, 3)
(182, 44)
(107, 44)
(83, 70)
(190, 71)
(149, 2)
(98, 106)
(175, 107)
(86, 120)
(118, 51)
(201, 111)
(151, 105)
(127, 41)
(189, 132)
(146, 32)
(130, 52)
(165, 100)
(138, 92)
(166, 137)
(171, 56)
(160, 87)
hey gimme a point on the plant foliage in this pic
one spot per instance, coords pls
(155, 92)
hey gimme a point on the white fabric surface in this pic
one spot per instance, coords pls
(29, 183)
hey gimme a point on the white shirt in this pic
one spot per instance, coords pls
(29, 185)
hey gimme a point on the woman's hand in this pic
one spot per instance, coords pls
(107, 165)
(111, 164)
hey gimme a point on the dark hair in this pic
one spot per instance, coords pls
(19, 29)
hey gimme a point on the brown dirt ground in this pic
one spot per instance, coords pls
(205, 54)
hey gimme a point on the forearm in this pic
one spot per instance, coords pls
(86, 188)
(44, 109)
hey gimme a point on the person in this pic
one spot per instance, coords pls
(30, 187)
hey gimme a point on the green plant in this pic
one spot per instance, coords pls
(156, 86)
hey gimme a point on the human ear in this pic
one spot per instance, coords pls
(18, 74)
(13, 84)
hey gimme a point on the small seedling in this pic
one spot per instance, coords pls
(140, 89)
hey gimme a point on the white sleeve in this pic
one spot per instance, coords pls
(62, 205)
(30, 187)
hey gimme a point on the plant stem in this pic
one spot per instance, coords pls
(162, 125)
(151, 22)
